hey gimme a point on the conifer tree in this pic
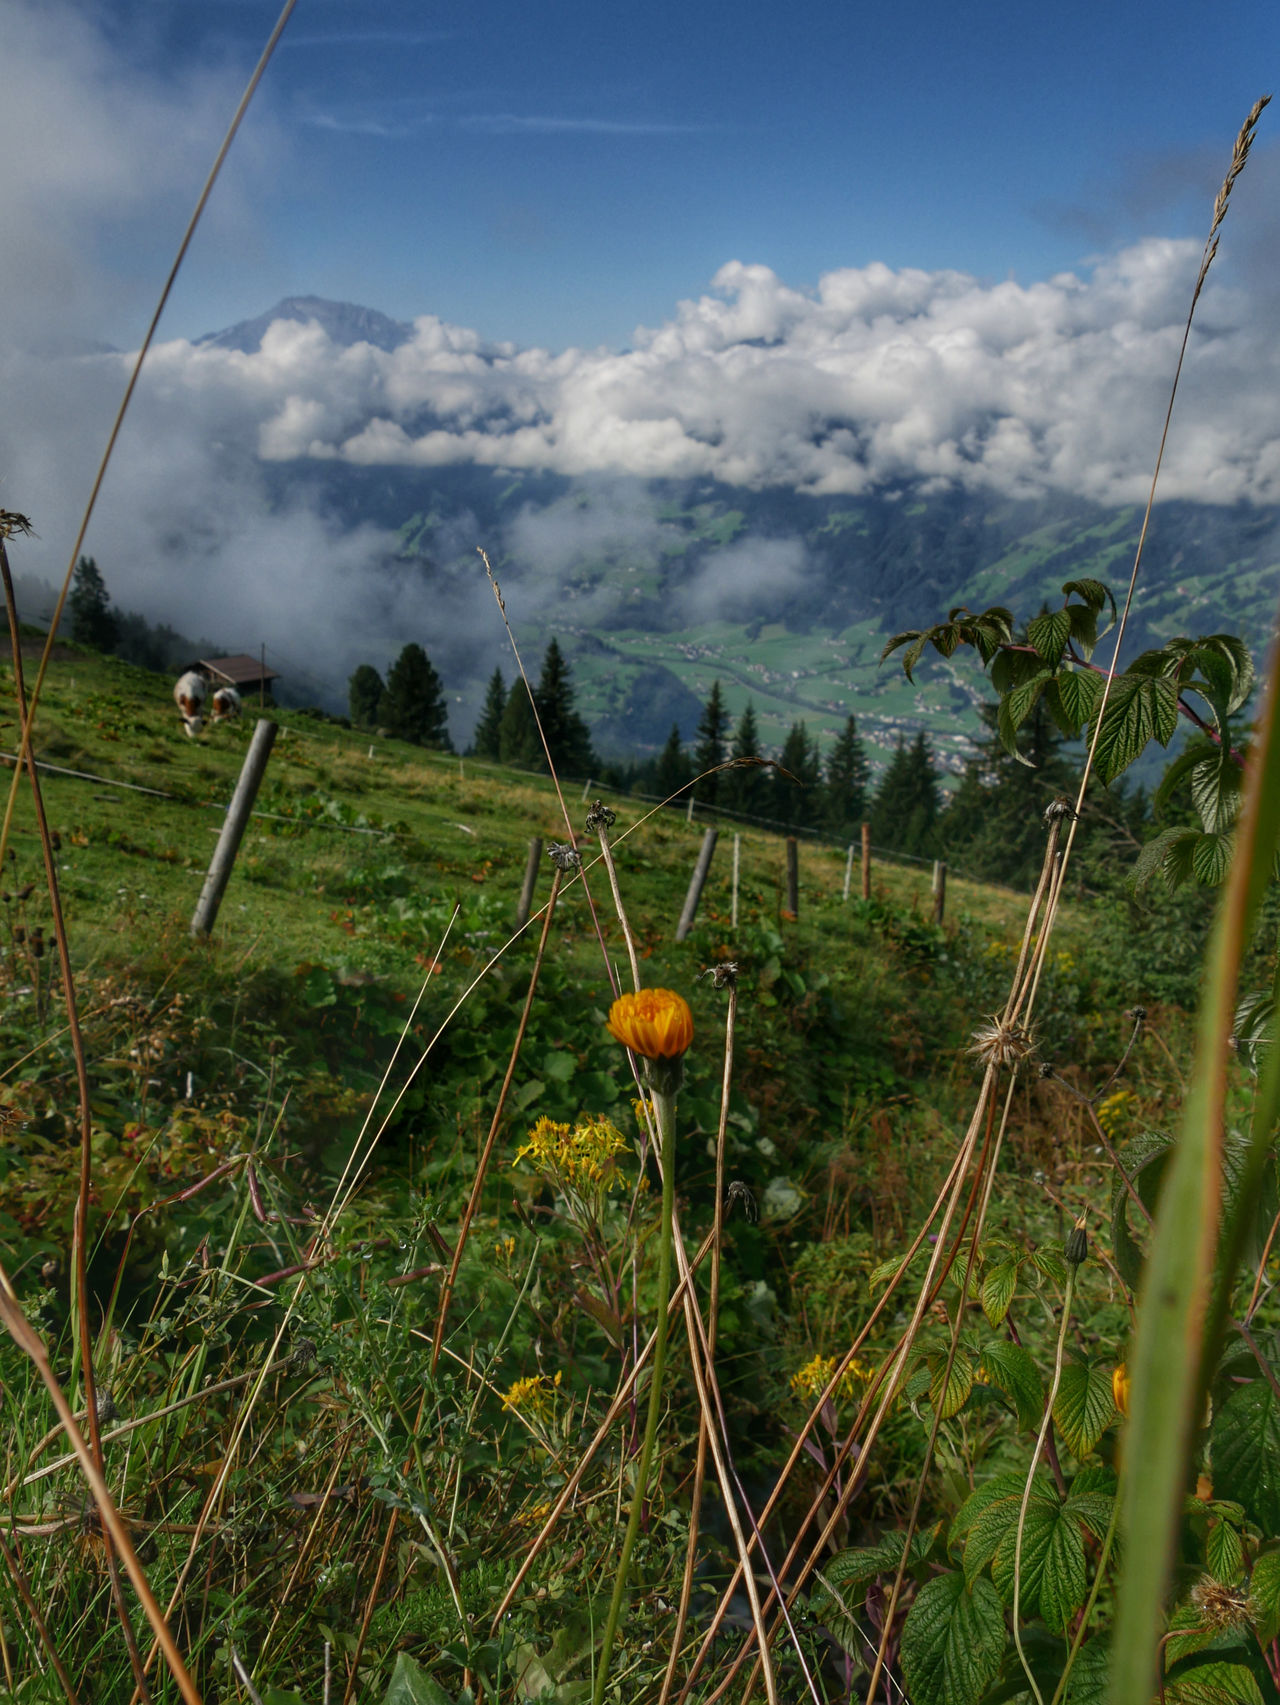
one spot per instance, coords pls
(93, 621)
(796, 802)
(518, 740)
(673, 768)
(994, 825)
(364, 696)
(568, 738)
(845, 800)
(412, 704)
(487, 739)
(904, 813)
(710, 749)
(746, 790)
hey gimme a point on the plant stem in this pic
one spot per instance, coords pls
(664, 1105)
(1031, 1474)
(1093, 1599)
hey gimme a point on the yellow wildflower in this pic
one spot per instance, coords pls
(1120, 1388)
(815, 1376)
(1116, 1110)
(656, 1023)
(578, 1157)
(533, 1396)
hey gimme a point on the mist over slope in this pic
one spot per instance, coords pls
(758, 491)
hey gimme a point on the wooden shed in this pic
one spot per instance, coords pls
(248, 675)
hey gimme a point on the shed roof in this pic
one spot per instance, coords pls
(238, 669)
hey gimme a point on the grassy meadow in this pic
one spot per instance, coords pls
(288, 1122)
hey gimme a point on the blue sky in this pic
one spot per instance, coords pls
(561, 174)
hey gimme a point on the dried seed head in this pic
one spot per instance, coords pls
(1060, 810)
(600, 817)
(723, 976)
(738, 1192)
(1001, 1044)
(1137, 1013)
(564, 856)
(1220, 1606)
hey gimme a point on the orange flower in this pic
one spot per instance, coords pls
(656, 1023)
(1120, 1388)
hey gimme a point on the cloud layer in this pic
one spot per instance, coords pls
(876, 377)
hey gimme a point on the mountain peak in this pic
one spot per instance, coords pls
(345, 323)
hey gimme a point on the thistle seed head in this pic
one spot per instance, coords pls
(999, 1044)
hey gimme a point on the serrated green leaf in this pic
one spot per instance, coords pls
(1011, 1369)
(1072, 699)
(1211, 859)
(1143, 1160)
(1091, 1499)
(1088, 1684)
(411, 1685)
(1246, 1452)
(1224, 1553)
(1140, 709)
(1084, 628)
(999, 1284)
(1048, 1260)
(1216, 1682)
(992, 1491)
(1084, 1407)
(992, 1525)
(949, 1393)
(1167, 856)
(1215, 790)
(1048, 635)
(953, 1641)
(1264, 1590)
(1054, 1580)
(1093, 592)
(992, 629)
(854, 1568)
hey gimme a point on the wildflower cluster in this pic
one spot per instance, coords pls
(814, 1377)
(533, 1396)
(1116, 1111)
(582, 1157)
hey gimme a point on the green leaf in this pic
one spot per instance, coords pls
(953, 1641)
(559, 1065)
(1084, 1408)
(1211, 859)
(1091, 1498)
(1246, 1452)
(1168, 856)
(1215, 790)
(1224, 1553)
(411, 1685)
(1214, 1683)
(1264, 1590)
(998, 1286)
(1015, 707)
(1088, 1684)
(855, 1568)
(1143, 1160)
(993, 1491)
(1084, 628)
(1054, 1581)
(1094, 594)
(1140, 709)
(1072, 699)
(1047, 1259)
(949, 1394)
(1048, 635)
(997, 1520)
(1011, 1368)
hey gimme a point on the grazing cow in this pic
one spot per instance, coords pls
(189, 695)
(226, 704)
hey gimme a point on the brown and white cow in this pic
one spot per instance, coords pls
(189, 692)
(226, 704)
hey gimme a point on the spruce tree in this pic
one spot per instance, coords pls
(487, 740)
(845, 794)
(796, 802)
(904, 813)
(673, 769)
(568, 738)
(518, 739)
(746, 790)
(364, 696)
(994, 825)
(412, 704)
(710, 750)
(93, 621)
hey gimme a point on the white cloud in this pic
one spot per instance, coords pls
(875, 377)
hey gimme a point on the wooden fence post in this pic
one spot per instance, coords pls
(696, 883)
(793, 877)
(530, 878)
(939, 890)
(848, 871)
(866, 861)
(737, 857)
(688, 816)
(224, 854)
(586, 792)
